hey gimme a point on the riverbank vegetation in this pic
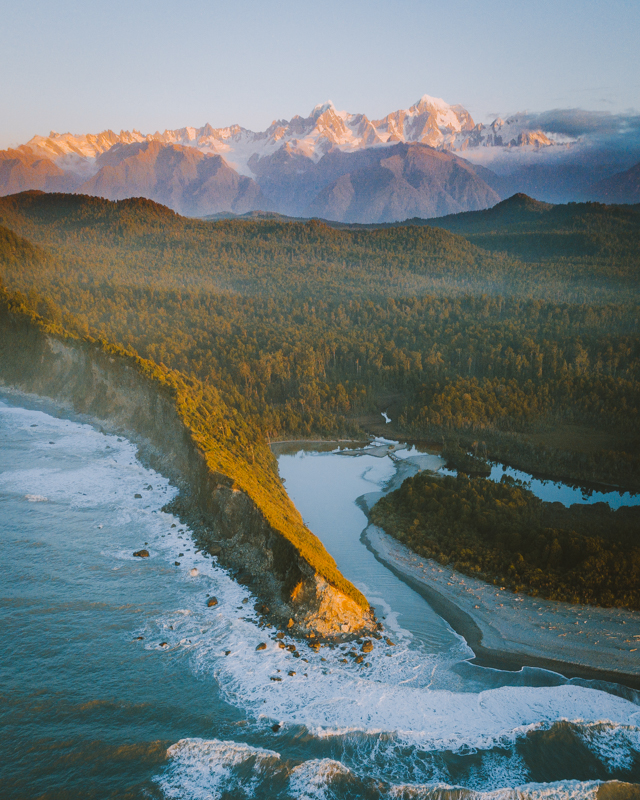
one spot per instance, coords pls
(502, 533)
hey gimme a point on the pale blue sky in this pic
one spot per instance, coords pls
(85, 66)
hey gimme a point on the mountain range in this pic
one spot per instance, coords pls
(426, 161)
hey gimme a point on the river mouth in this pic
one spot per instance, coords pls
(118, 679)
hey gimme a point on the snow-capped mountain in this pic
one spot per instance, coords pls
(429, 121)
(342, 165)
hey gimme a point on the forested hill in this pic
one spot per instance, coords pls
(530, 229)
(138, 241)
(305, 329)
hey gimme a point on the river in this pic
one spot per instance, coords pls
(118, 680)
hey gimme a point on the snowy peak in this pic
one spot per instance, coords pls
(316, 111)
(429, 121)
(513, 132)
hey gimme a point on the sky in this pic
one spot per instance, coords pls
(85, 67)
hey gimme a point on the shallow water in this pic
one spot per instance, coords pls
(91, 710)
(549, 490)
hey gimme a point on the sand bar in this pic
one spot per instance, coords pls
(509, 631)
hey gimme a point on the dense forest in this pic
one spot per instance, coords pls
(511, 341)
(501, 532)
(303, 328)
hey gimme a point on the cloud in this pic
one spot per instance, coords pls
(575, 122)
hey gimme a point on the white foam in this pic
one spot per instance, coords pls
(201, 769)
(616, 746)
(561, 790)
(311, 780)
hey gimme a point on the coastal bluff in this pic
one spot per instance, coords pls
(260, 538)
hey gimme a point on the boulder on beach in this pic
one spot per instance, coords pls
(212, 601)
(261, 646)
(367, 647)
(141, 554)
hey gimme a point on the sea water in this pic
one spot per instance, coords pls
(116, 679)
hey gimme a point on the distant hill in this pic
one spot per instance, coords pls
(624, 187)
(534, 230)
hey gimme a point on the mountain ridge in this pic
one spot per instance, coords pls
(334, 164)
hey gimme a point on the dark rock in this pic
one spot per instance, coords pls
(280, 635)
(212, 601)
(275, 728)
(367, 647)
(291, 648)
(390, 643)
(296, 655)
(138, 496)
(164, 644)
(291, 673)
(274, 678)
(176, 563)
(359, 659)
(141, 554)
(262, 646)
(227, 652)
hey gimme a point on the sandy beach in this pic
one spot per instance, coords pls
(508, 630)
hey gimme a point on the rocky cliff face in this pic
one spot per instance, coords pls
(87, 380)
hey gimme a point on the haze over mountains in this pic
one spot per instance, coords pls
(425, 161)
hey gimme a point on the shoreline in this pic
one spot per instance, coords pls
(509, 631)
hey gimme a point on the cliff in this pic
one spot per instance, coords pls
(238, 509)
